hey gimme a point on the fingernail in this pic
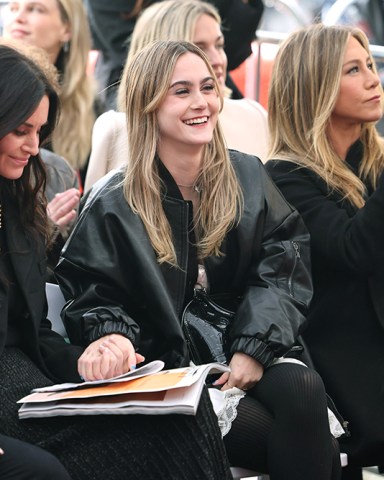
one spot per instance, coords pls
(132, 367)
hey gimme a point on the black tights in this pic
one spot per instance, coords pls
(282, 427)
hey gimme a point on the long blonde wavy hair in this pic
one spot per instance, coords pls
(303, 92)
(168, 20)
(146, 85)
(72, 137)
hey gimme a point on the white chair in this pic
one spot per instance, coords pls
(56, 302)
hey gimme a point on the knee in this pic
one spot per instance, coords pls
(303, 391)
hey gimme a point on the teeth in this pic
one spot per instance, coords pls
(195, 121)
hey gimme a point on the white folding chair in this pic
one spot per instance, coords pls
(56, 302)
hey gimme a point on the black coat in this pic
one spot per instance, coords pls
(109, 268)
(345, 331)
(47, 349)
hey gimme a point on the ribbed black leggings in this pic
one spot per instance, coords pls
(282, 427)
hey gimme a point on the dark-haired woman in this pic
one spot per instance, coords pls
(32, 355)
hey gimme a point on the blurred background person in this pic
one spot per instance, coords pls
(244, 121)
(61, 28)
(112, 23)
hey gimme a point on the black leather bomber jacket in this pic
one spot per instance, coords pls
(113, 283)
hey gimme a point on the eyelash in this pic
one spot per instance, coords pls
(356, 69)
(185, 91)
(19, 133)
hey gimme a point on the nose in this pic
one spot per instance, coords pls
(31, 144)
(199, 101)
(17, 14)
(214, 57)
(373, 79)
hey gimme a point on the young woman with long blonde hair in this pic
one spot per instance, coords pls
(183, 212)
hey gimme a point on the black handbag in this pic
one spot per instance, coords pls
(205, 326)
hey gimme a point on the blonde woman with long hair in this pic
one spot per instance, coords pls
(244, 121)
(183, 212)
(328, 160)
(61, 28)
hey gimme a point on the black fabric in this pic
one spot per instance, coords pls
(345, 330)
(118, 284)
(274, 431)
(144, 447)
(23, 461)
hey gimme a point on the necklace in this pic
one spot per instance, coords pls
(193, 186)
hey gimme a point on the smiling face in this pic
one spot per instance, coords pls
(208, 36)
(188, 115)
(19, 145)
(37, 23)
(359, 97)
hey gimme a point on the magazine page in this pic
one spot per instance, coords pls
(163, 380)
(178, 400)
(168, 391)
(148, 369)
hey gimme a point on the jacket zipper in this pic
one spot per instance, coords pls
(296, 248)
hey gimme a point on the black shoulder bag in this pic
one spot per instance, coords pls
(205, 326)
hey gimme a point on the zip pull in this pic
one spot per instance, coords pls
(296, 247)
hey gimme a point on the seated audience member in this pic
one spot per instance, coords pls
(32, 355)
(61, 28)
(328, 160)
(185, 204)
(244, 121)
(112, 23)
(62, 183)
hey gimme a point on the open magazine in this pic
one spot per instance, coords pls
(147, 390)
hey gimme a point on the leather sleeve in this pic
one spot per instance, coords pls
(278, 287)
(95, 274)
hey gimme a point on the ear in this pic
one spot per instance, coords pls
(66, 34)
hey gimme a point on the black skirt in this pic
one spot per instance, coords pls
(114, 447)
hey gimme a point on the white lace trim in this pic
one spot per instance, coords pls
(225, 406)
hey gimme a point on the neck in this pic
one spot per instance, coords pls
(184, 168)
(342, 137)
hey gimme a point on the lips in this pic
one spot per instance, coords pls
(376, 98)
(20, 161)
(16, 33)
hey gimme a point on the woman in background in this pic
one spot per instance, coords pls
(60, 27)
(244, 121)
(328, 160)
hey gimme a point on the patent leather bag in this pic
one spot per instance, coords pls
(205, 326)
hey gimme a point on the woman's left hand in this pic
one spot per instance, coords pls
(245, 373)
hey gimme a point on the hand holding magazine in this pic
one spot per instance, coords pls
(146, 390)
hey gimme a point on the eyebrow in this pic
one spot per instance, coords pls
(203, 42)
(30, 125)
(357, 60)
(188, 83)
